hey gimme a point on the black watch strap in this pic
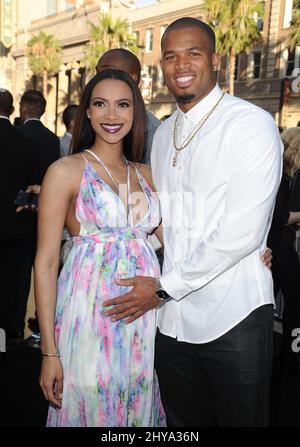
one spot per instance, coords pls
(161, 293)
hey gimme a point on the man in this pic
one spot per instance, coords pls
(216, 164)
(69, 116)
(19, 162)
(32, 107)
(124, 60)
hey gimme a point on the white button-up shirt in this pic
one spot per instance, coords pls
(217, 206)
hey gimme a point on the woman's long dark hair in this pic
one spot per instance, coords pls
(84, 135)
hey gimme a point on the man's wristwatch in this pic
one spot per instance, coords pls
(161, 294)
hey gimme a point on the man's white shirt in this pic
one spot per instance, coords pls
(217, 206)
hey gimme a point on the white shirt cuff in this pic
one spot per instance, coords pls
(173, 285)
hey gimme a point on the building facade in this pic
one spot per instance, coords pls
(265, 76)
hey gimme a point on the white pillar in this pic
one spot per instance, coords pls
(61, 5)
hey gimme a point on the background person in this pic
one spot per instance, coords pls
(19, 169)
(32, 108)
(68, 117)
(281, 239)
(122, 59)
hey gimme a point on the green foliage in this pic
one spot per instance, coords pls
(44, 53)
(233, 23)
(295, 25)
(109, 33)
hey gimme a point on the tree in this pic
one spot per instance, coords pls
(235, 27)
(294, 38)
(109, 33)
(44, 53)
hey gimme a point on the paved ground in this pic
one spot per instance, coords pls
(22, 403)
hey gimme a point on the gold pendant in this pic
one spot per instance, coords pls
(174, 160)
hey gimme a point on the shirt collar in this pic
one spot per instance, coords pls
(5, 117)
(31, 119)
(196, 113)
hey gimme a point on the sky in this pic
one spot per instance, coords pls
(145, 2)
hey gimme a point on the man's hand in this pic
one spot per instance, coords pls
(135, 303)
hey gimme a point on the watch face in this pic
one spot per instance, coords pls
(161, 293)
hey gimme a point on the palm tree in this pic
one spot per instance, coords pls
(235, 27)
(44, 52)
(109, 33)
(294, 37)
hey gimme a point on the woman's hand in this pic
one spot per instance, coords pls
(267, 257)
(51, 380)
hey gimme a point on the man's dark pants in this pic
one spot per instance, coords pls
(221, 383)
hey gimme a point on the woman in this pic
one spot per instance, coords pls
(286, 266)
(96, 372)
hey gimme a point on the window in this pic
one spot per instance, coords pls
(160, 77)
(288, 12)
(149, 40)
(258, 17)
(148, 70)
(51, 7)
(290, 60)
(162, 30)
(137, 36)
(70, 5)
(237, 67)
(254, 65)
(290, 63)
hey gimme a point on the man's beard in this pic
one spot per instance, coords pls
(185, 99)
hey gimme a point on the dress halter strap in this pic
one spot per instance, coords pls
(105, 167)
(129, 217)
(84, 157)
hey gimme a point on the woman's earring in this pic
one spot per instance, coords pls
(88, 115)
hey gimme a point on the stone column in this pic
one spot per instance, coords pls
(63, 90)
(273, 38)
(61, 5)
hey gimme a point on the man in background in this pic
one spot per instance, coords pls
(46, 143)
(68, 117)
(19, 161)
(124, 60)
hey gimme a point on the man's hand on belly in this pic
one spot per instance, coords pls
(135, 303)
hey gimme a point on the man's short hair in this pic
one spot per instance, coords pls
(6, 102)
(35, 102)
(131, 59)
(190, 21)
(69, 114)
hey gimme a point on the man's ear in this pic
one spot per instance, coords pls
(216, 61)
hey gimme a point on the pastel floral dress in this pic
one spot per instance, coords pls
(109, 376)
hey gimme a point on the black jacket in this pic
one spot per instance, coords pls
(19, 164)
(46, 142)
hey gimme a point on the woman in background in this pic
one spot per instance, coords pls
(286, 265)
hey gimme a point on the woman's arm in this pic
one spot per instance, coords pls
(53, 206)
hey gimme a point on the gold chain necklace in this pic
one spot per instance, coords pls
(189, 138)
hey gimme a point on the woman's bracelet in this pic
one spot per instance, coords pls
(51, 355)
